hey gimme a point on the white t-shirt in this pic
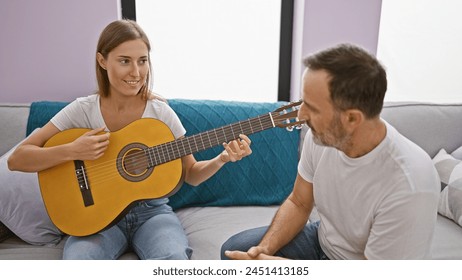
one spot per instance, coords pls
(85, 112)
(382, 205)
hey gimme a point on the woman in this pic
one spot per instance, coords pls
(123, 69)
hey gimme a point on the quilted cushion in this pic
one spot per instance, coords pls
(265, 177)
(41, 112)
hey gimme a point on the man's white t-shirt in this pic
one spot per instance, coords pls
(382, 205)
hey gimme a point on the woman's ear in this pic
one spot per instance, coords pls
(101, 60)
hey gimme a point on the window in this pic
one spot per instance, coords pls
(419, 44)
(218, 49)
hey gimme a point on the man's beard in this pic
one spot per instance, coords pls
(335, 136)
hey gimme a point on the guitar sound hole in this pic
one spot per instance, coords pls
(135, 163)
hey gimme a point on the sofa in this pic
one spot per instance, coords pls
(241, 195)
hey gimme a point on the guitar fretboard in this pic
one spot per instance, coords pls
(188, 145)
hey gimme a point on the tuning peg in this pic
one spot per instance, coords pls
(299, 123)
(289, 127)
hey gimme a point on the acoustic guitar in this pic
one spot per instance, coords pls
(142, 161)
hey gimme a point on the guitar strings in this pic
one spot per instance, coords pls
(110, 174)
(141, 157)
(275, 115)
(169, 147)
(247, 123)
(164, 146)
(107, 174)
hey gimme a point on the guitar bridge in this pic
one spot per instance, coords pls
(83, 183)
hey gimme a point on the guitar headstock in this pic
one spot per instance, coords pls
(287, 116)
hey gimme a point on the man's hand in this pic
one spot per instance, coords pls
(239, 255)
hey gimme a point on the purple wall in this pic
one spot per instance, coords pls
(319, 24)
(47, 47)
(330, 22)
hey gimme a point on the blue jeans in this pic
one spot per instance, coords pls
(305, 246)
(151, 229)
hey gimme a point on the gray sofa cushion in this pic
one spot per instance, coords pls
(447, 240)
(207, 228)
(431, 126)
(13, 118)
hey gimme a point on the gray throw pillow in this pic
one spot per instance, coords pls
(22, 209)
(450, 172)
(457, 153)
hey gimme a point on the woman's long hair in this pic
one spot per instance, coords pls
(113, 35)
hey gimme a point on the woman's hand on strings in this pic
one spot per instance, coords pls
(237, 149)
(91, 145)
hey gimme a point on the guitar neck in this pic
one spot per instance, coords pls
(188, 145)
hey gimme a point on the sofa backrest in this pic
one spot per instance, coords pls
(431, 126)
(13, 122)
(264, 178)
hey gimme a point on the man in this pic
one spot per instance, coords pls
(376, 192)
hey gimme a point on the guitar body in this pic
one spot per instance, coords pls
(112, 182)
